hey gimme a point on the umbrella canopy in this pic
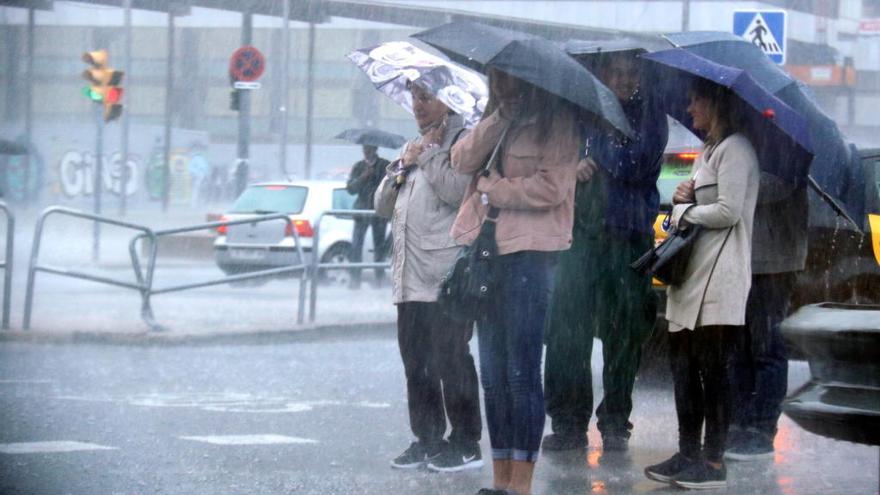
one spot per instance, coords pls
(372, 137)
(778, 133)
(835, 169)
(576, 48)
(390, 66)
(534, 60)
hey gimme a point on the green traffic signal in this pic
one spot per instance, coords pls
(92, 94)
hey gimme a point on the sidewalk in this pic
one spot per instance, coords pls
(72, 310)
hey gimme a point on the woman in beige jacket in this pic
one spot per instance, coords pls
(709, 305)
(535, 194)
(421, 194)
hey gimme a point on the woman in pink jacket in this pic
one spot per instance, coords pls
(534, 191)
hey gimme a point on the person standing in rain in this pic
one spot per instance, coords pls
(364, 179)
(421, 194)
(708, 308)
(533, 188)
(597, 293)
(759, 360)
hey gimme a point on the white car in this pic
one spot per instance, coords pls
(248, 247)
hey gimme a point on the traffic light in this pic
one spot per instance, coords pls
(235, 100)
(104, 84)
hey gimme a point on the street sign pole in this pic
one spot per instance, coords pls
(244, 112)
(126, 4)
(96, 180)
(285, 73)
(169, 93)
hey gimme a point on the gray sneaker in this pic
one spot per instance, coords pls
(417, 455)
(457, 457)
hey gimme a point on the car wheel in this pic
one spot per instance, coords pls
(338, 253)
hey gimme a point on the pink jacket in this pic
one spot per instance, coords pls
(536, 194)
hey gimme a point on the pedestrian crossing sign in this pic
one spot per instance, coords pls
(765, 29)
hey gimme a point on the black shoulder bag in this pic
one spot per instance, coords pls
(668, 261)
(469, 284)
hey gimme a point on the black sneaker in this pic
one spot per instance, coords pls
(615, 443)
(457, 457)
(753, 446)
(666, 470)
(560, 443)
(491, 491)
(416, 456)
(702, 476)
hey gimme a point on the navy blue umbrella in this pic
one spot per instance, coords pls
(835, 170)
(778, 133)
(372, 137)
(535, 60)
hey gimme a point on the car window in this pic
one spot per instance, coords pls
(271, 199)
(343, 200)
(676, 168)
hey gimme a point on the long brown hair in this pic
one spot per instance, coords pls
(543, 105)
(726, 110)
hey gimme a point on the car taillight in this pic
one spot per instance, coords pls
(221, 230)
(689, 157)
(303, 228)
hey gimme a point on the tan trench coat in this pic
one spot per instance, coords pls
(726, 189)
(422, 212)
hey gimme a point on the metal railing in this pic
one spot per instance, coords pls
(318, 266)
(6, 263)
(147, 279)
(144, 279)
(34, 267)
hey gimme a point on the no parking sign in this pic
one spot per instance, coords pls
(246, 64)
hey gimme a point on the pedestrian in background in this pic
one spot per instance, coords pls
(363, 181)
(597, 293)
(534, 190)
(708, 308)
(199, 170)
(421, 194)
(759, 361)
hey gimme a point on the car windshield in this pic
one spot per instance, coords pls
(271, 199)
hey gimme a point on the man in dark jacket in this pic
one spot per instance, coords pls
(363, 181)
(596, 292)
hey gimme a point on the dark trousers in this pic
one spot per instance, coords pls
(441, 378)
(357, 245)
(609, 301)
(759, 360)
(510, 336)
(699, 372)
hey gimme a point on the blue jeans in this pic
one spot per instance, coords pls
(759, 361)
(511, 334)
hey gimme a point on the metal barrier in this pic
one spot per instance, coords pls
(33, 267)
(6, 263)
(147, 280)
(144, 280)
(317, 266)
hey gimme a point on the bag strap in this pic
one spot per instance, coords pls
(712, 271)
(493, 210)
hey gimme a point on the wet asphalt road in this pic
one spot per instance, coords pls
(314, 417)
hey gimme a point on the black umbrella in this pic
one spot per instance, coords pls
(532, 59)
(372, 137)
(577, 48)
(834, 168)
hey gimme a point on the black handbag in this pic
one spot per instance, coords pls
(470, 282)
(668, 261)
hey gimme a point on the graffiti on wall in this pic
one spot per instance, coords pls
(76, 174)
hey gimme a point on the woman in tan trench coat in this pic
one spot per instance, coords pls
(704, 310)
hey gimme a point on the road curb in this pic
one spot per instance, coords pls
(305, 333)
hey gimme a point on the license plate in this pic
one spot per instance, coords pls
(247, 254)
